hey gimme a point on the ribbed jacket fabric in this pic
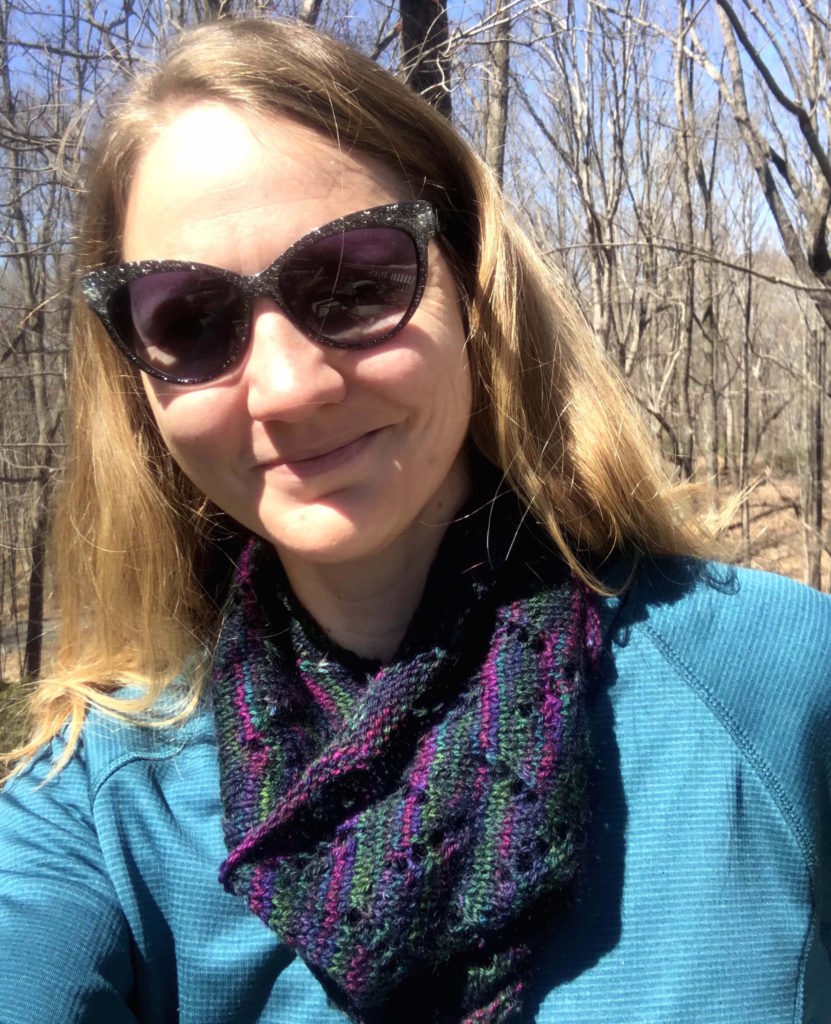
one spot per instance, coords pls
(706, 898)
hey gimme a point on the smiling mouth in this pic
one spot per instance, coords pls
(312, 465)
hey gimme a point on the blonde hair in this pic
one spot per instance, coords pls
(134, 546)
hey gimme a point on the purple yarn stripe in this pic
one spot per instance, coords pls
(260, 898)
(551, 712)
(421, 773)
(490, 690)
(250, 733)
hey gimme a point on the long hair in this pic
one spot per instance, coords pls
(135, 550)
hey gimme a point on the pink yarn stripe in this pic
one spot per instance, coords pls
(490, 690)
(551, 711)
(321, 697)
(341, 869)
(249, 730)
(421, 773)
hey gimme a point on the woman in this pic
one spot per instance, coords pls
(349, 492)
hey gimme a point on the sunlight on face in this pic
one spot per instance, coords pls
(330, 454)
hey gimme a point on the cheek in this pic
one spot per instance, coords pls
(430, 392)
(194, 426)
(413, 371)
(426, 363)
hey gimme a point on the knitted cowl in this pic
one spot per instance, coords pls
(405, 827)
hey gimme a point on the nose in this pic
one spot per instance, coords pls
(289, 375)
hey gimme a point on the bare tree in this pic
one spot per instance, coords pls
(425, 56)
(786, 141)
(638, 135)
(310, 10)
(690, 160)
(497, 83)
(37, 139)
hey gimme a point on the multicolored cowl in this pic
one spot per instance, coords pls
(406, 827)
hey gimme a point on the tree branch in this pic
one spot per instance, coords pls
(802, 116)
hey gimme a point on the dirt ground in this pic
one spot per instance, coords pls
(776, 535)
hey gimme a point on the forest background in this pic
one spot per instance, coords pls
(673, 158)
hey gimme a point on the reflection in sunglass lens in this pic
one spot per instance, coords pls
(353, 287)
(181, 322)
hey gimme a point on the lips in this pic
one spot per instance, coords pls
(322, 457)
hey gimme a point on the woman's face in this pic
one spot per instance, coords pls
(330, 454)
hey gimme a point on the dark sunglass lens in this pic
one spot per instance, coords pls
(183, 323)
(353, 287)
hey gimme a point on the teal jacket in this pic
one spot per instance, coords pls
(706, 899)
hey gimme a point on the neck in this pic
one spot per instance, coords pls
(367, 604)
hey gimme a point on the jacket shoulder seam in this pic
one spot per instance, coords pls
(742, 741)
(106, 772)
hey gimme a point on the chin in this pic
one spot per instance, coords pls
(323, 536)
(358, 523)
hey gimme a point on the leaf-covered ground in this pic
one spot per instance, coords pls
(13, 724)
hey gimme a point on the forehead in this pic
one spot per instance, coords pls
(218, 181)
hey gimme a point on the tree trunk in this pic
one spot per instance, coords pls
(37, 582)
(811, 267)
(497, 103)
(425, 56)
(812, 500)
(688, 160)
(744, 453)
(310, 11)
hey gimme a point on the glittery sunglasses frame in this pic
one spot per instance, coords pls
(420, 220)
